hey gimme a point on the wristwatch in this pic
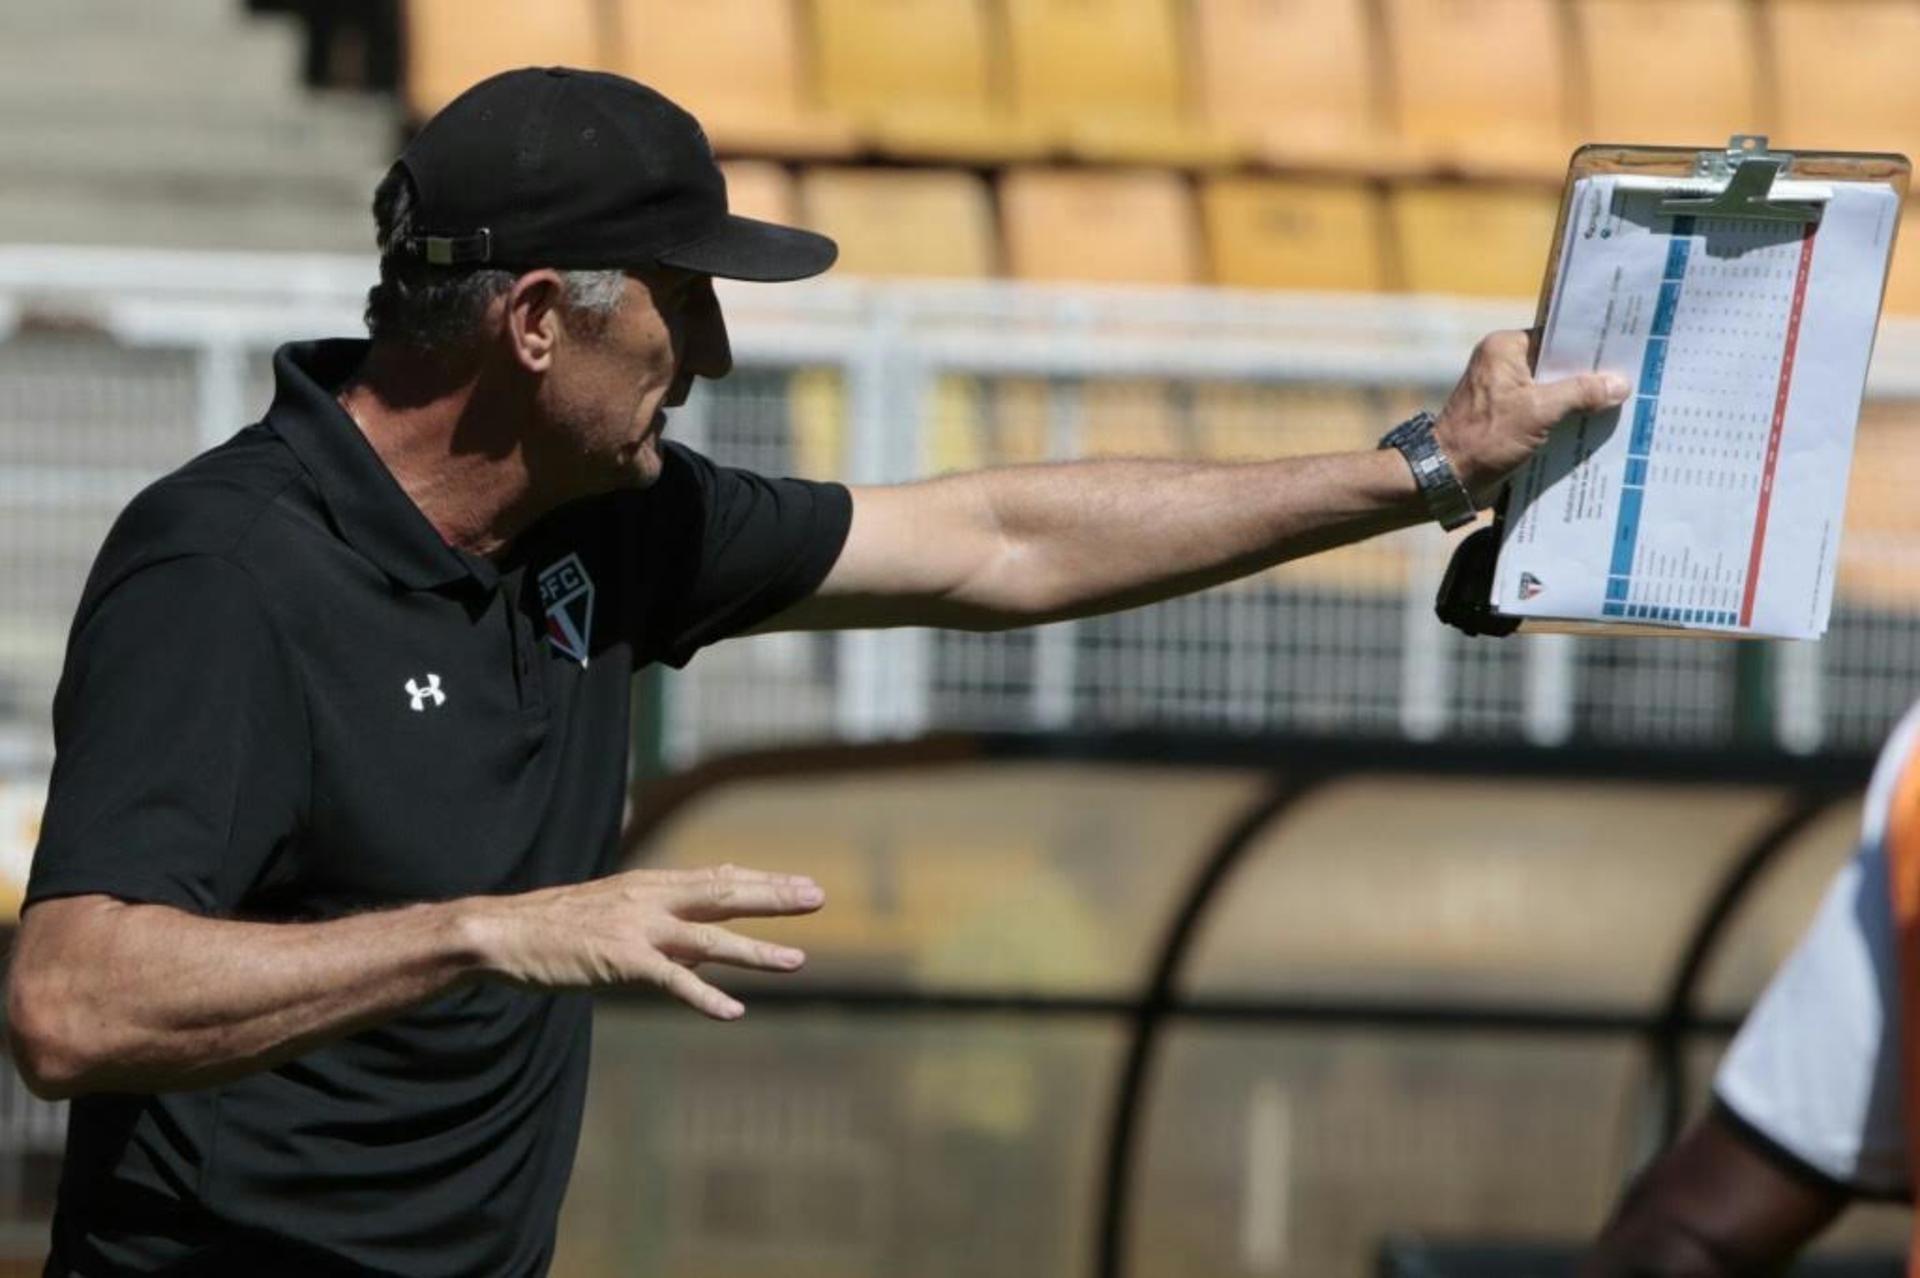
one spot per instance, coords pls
(1447, 498)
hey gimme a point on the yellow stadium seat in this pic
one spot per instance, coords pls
(452, 44)
(760, 188)
(1298, 80)
(1117, 226)
(817, 420)
(738, 65)
(1845, 74)
(1273, 233)
(1482, 240)
(916, 77)
(1105, 79)
(934, 222)
(1480, 85)
(1880, 548)
(957, 436)
(1108, 417)
(1903, 275)
(1648, 75)
(1240, 422)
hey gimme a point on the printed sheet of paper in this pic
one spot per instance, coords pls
(1712, 499)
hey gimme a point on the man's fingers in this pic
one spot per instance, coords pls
(737, 873)
(706, 943)
(722, 896)
(684, 985)
(1586, 393)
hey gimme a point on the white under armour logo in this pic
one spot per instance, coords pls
(421, 695)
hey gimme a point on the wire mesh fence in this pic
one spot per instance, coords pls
(116, 366)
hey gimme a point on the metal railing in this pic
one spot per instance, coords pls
(116, 364)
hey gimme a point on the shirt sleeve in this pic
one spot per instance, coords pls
(181, 743)
(1815, 1070)
(728, 548)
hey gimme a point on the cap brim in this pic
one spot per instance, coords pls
(746, 249)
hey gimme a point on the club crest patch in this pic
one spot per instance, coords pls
(566, 592)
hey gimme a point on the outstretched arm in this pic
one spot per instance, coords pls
(1027, 544)
(1713, 1206)
(104, 995)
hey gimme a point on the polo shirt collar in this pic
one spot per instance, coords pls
(368, 506)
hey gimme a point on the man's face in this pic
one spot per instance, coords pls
(607, 393)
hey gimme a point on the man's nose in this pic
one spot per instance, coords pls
(709, 352)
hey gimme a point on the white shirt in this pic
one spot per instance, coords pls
(1816, 1067)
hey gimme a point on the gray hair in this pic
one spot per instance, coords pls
(439, 309)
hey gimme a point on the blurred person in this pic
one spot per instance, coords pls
(1809, 1111)
(326, 870)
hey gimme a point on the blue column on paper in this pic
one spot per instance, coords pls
(1645, 410)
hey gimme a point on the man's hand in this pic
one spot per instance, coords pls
(1498, 415)
(642, 927)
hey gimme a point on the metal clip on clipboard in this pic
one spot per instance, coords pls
(1740, 182)
(1745, 180)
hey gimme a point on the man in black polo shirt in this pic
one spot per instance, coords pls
(326, 871)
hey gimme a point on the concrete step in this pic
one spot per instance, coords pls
(257, 59)
(181, 107)
(219, 215)
(107, 18)
(267, 147)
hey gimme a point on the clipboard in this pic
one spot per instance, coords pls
(1745, 180)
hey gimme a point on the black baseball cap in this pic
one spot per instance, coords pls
(584, 170)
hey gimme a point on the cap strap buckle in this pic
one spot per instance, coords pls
(453, 250)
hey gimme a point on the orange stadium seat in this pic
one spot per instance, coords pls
(1878, 566)
(1110, 417)
(1480, 85)
(1117, 226)
(760, 188)
(1239, 422)
(1105, 79)
(935, 222)
(1844, 74)
(739, 65)
(1300, 81)
(1275, 233)
(1903, 275)
(452, 44)
(915, 77)
(1647, 78)
(1483, 240)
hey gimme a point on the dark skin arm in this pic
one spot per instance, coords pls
(1713, 1206)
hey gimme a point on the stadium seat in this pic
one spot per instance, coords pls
(1646, 79)
(1877, 565)
(452, 44)
(916, 77)
(759, 188)
(739, 65)
(1112, 417)
(817, 421)
(1299, 80)
(936, 222)
(1119, 226)
(1479, 86)
(1482, 240)
(1903, 277)
(1105, 79)
(1273, 233)
(1240, 422)
(1844, 74)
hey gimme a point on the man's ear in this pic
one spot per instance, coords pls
(533, 318)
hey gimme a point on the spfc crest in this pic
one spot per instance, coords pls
(566, 592)
(1530, 585)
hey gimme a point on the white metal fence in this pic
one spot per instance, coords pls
(116, 365)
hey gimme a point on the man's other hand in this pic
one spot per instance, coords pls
(641, 927)
(1498, 415)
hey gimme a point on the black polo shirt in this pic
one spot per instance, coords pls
(286, 698)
